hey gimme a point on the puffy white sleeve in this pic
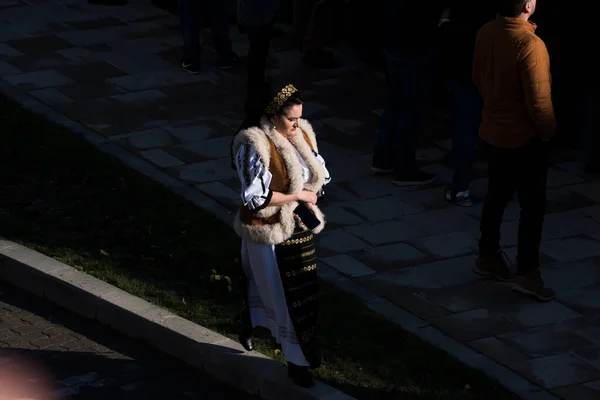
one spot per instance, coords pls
(327, 180)
(255, 178)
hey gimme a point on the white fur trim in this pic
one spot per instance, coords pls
(318, 173)
(321, 217)
(307, 128)
(268, 234)
(278, 233)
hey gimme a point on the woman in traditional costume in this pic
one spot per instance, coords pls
(282, 176)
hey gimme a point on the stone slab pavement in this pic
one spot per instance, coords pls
(111, 72)
(49, 353)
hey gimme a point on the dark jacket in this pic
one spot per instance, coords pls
(411, 26)
(458, 36)
(253, 13)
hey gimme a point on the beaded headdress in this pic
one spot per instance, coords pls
(281, 98)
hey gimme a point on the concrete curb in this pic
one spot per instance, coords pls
(92, 298)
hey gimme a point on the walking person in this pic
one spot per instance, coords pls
(257, 18)
(282, 176)
(460, 23)
(512, 72)
(189, 21)
(316, 30)
(411, 29)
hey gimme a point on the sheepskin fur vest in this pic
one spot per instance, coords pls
(276, 224)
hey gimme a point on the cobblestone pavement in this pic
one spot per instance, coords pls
(57, 355)
(114, 69)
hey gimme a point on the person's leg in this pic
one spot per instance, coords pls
(247, 285)
(190, 33)
(318, 31)
(466, 105)
(302, 12)
(383, 155)
(491, 262)
(531, 190)
(257, 91)
(412, 90)
(219, 25)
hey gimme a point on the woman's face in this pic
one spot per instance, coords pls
(287, 123)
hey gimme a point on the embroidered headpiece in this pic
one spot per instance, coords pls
(281, 98)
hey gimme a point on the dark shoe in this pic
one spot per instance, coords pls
(246, 342)
(413, 178)
(495, 266)
(382, 163)
(462, 199)
(193, 67)
(229, 62)
(300, 375)
(382, 169)
(319, 59)
(532, 284)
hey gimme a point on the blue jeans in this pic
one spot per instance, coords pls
(590, 131)
(403, 111)
(466, 107)
(190, 27)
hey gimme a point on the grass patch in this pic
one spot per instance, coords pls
(66, 199)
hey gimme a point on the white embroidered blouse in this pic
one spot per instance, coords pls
(257, 192)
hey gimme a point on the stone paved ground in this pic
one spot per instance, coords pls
(58, 355)
(114, 70)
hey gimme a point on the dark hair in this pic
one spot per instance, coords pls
(256, 110)
(295, 99)
(511, 8)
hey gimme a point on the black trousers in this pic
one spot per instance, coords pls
(257, 90)
(525, 171)
(258, 93)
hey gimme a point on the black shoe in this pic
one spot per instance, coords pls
(246, 342)
(413, 178)
(382, 164)
(300, 375)
(193, 67)
(229, 62)
(462, 198)
(380, 169)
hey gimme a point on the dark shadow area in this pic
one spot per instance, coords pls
(46, 347)
(359, 24)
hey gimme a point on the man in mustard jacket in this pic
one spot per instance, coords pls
(511, 70)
